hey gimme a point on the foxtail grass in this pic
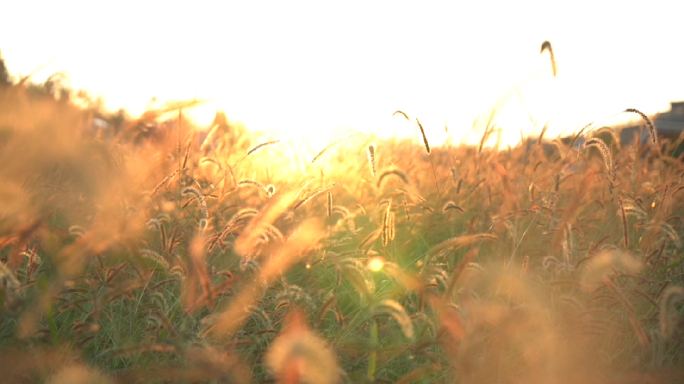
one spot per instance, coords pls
(670, 320)
(333, 144)
(651, 129)
(422, 133)
(312, 195)
(546, 46)
(371, 158)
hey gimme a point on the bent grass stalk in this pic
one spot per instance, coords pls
(255, 149)
(314, 194)
(333, 144)
(651, 128)
(546, 46)
(200, 198)
(605, 152)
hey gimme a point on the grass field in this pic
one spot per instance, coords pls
(176, 259)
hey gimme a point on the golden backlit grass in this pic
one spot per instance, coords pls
(182, 258)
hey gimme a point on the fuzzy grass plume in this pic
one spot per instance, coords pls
(371, 158)
(422, 133)
(605, 152)
(651, 129)
(546, 46)
(670, 320)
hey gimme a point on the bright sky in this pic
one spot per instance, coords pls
(314, 68)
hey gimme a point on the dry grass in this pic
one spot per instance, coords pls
(546, 46)
(140, 261)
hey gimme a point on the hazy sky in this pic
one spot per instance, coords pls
(312, 67)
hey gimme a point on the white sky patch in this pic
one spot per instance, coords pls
(317, 69)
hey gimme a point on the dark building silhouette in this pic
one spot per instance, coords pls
(668, 125)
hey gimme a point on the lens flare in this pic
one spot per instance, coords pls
(376, 263)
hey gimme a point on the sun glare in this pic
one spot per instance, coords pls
(315, 79)
(545, 95)
(536, 100)
(376, 263)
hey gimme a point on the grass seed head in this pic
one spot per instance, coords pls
(607, 158)
(402, 114)
(330, 204)
(669, 316)
(651, 128)
(425, 140)
(371, 158)
(270, 190)
(546, 46)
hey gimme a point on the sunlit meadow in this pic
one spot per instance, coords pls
(158, 251)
